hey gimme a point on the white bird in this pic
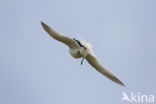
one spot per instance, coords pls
(81, 49)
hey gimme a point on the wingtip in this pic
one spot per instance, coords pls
(42, 23)
(122, 84)
(46, 27)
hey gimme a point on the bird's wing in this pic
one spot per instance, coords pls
(58, 36)
(94, 62)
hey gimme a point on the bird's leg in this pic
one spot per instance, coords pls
(82, 61)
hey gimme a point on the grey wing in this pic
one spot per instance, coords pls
(58, 36)
(94, 62)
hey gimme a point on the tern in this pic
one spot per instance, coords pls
(81, 49)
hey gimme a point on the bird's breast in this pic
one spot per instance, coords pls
(76, 53)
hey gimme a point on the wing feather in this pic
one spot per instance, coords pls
(58, 36)
(95, 63)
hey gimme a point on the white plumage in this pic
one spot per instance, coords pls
(81, 49)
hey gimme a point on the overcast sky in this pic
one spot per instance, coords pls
(36, 69)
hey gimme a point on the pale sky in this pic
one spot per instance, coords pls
(36, 69)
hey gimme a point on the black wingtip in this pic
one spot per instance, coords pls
(119, 82)
(122, 84)
(42, 23)
(46, 27)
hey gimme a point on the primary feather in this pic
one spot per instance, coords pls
(58, 36)
(92, 60)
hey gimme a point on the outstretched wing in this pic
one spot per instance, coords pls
(58, 36)
(94, 62)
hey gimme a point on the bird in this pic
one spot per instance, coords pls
(81, 49)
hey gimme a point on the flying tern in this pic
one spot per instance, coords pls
(81, 49)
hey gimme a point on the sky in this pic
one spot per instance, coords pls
(36, 69)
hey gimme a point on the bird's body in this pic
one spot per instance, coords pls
(81, 49)
(77, 53)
